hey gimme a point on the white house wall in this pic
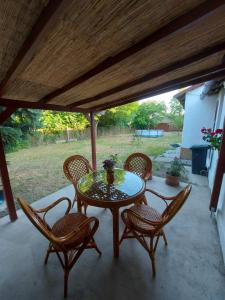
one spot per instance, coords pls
(218, 124)
(198, 113)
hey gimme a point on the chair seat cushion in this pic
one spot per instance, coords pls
(146, 212)
(68, 224)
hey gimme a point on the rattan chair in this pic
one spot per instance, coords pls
(141, 165)
(74, 168)
(143, 222)
(68, 237)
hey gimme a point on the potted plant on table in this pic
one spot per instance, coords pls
(109, 165)
(174, 172)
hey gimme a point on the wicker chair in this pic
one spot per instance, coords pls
(68, 237)
(142, 221)
(141, 165)
(74, 168)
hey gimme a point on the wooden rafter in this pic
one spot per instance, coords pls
(174, 26)
(169, 68)
(4, 115)
(39, 32)
(199, 77)
(37, 105)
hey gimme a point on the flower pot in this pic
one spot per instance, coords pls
(172, 180)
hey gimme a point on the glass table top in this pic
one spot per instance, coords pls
(125, 185)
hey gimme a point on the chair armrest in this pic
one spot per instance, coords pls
(49, 207)
(141, 218)
(159, 195)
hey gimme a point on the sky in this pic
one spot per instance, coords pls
(166, 97)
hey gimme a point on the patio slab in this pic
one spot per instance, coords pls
(191, 267)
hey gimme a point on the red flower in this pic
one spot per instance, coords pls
(219, 131)
(213, 138)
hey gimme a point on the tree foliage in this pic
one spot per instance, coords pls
(26, 120)
(59, 121)
(21, 124)
(148, 115)
(120, 116)
(176, 114)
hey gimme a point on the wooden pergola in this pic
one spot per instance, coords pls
(88, 56)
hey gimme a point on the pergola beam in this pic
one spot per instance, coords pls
(174, 26)
(11, 103)
(157, 73)
(38, 34)
(198, 77)
(4, 115)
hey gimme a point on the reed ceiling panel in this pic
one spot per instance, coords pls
(16, 21)
(182, 45)
(91, 31)
(195, 67)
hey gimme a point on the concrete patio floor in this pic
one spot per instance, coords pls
(191, 267)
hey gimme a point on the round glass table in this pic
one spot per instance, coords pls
(94, 189)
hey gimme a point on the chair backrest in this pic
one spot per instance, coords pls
(176, 204)
(75, 167)
(35, 219)
(139, 164)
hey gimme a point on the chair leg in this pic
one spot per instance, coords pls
(152, 257)
(74, 200)
(85, 208)
(144, 200)
(66, 275)
(164, 238)
(124, 234)
(96, 247)
(47, 254)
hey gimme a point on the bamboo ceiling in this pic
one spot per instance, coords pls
(76, 55)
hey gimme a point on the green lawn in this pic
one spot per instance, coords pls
(37, 172)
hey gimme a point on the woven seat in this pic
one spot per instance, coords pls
(144, 222)
(68, 224)
(74, 168)
(146, 212)
(68, 237)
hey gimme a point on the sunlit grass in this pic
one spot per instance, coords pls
(37, 172)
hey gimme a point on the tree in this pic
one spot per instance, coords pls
(148, 115)
(58, 121)
(176, 114)
(120, 116)
(21, 124)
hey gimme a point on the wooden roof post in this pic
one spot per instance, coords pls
(93, 140)
(6, 183)
(220, 170)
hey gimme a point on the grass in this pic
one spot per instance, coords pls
(37, 172)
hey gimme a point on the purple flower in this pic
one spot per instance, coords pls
(108, 164)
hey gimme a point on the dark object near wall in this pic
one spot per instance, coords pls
(199, 153)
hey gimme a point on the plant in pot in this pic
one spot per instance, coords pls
(109, 165)
(174, 172)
